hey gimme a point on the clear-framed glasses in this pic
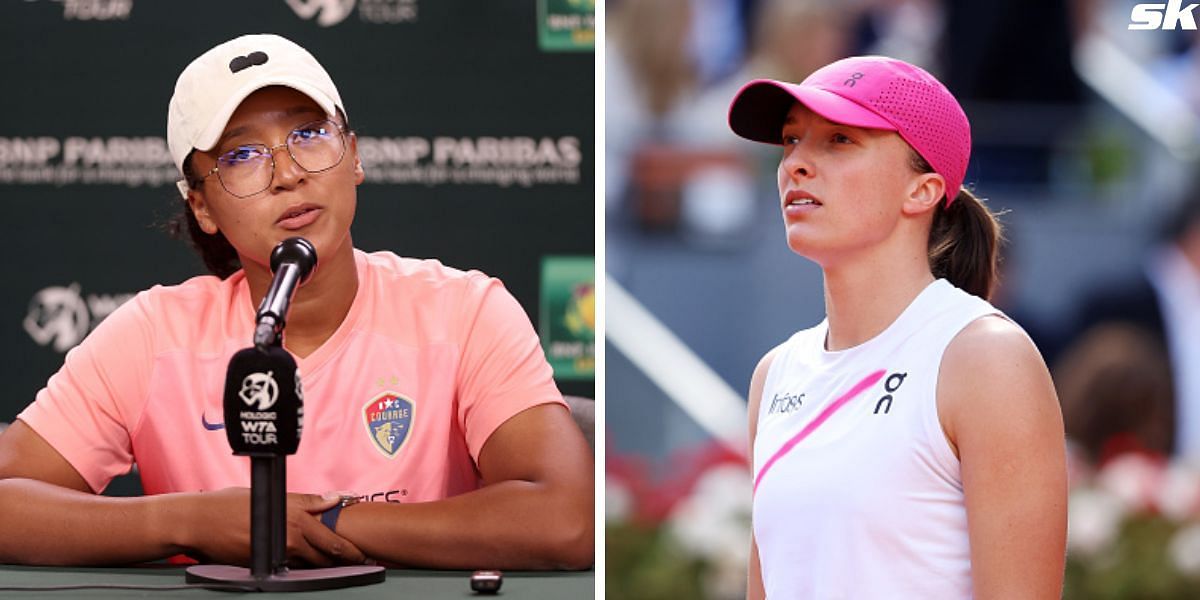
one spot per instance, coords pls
(249, 168)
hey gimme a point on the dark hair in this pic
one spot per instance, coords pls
(219, 256)
(964, 240)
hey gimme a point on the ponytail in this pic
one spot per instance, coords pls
(964, 241)
(963, 244)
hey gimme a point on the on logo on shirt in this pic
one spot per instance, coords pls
(891, 384)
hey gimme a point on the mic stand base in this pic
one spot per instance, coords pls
(288, 580)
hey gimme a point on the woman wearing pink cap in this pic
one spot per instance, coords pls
(911, 444)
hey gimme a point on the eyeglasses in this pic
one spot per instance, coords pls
(249, 168)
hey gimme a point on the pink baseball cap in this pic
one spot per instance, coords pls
(874, 92)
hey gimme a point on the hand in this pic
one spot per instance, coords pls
(217, 529)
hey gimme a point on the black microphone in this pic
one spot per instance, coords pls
(264, 403)
(264, 417)
(293, 262)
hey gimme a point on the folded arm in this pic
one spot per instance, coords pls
(49, 516)
(534, 511)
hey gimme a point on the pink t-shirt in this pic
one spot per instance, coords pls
(397, 403)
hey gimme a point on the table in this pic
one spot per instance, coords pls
(400, 583)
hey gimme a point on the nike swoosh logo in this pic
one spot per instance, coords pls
(211, 426)
(833, 407)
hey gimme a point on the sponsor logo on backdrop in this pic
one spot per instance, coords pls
(386, 12)
(503, 161)
(523, 161)
(566, 25)
(117, 160)
(568, 315)
(60, 317)
(328, 13)
(95, 10)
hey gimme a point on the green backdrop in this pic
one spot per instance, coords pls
(478, 145)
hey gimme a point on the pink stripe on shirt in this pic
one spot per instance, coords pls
(833, 407)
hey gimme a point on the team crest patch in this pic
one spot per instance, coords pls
(389, 418)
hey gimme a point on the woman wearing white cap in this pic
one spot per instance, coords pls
(911, 444)
(428, 404)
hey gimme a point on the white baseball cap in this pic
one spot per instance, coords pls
(210, 89)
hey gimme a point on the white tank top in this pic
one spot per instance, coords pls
(857, 493)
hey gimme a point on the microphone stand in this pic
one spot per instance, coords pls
(268, 570)
(268, 493)
(268, 502)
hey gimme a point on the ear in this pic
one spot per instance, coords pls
(199, 205)
(359, 174)
(924, 194)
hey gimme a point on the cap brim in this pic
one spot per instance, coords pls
(760, 108)
(212, 132)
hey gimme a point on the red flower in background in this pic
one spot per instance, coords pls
(653, 495)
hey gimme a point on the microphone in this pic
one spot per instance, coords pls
(264, 403)
(293, 262)
(264, 417)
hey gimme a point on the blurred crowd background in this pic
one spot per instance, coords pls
(1085, 137)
